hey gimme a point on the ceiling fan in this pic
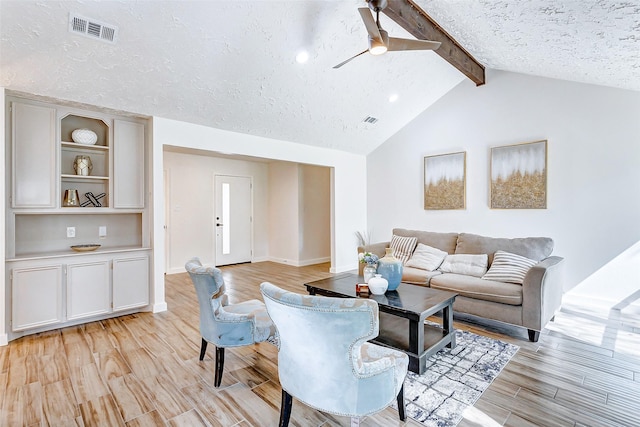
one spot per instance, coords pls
(379, 40)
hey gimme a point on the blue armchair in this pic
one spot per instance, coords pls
(224, 324)
(324, 359)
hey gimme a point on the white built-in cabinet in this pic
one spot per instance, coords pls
(34, 158)
(130, 282)
(50, 284)
(87, 289)
(128, 164)
(36, 299)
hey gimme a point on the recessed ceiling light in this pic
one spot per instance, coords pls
(302, 57)
(393, 97)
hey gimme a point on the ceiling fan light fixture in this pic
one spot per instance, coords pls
(376, 47)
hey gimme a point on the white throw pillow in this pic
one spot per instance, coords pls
(426, 258)
(508, 267)
(467, 264)
(402, 247)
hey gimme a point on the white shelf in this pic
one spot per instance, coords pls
(80, 178)
(76, 146)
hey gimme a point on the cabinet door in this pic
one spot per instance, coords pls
(33, 148)
(88, 291)
(36, 297)
(130, 282)
(128, 164)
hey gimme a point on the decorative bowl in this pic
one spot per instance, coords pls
(85, 248)
(84, 136)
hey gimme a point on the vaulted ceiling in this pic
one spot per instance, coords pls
(232, 64)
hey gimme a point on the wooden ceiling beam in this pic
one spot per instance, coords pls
(416, 21)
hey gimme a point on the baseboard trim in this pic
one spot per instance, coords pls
(344, 269)
(299, 263)
(160, 307)
(4, 339)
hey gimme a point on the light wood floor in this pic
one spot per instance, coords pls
(143, 370)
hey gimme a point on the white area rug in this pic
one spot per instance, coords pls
(455, 379)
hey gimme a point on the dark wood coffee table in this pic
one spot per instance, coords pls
(402, 316)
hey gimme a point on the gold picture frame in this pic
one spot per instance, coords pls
(518, 177)
(445, 178)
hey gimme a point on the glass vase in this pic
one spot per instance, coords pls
(390, 268)
(368, 272)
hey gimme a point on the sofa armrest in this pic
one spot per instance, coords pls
(375, 248)
(542, 292)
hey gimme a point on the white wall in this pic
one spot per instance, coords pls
(348, 201)
(300, 213)
(315, 214)
(283, 212)
(190, 205)
(593, 133)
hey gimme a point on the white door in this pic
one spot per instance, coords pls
(233, 208)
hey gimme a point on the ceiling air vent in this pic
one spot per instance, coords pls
(370, 119)
(92, 28)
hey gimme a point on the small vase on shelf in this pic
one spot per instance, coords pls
(390, 268)
(368, 271)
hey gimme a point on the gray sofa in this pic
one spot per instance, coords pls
(530, 305)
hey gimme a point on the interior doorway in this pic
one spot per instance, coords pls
(233, 200)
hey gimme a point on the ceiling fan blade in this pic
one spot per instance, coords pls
(370, 23)
(353, 57)
(411, 44)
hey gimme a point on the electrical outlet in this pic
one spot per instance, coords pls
(71, 232)
(102, 231)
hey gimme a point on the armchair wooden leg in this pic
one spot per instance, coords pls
(285, 409)
(219, 365)
(533, 335)
(401, 406)
(203, 348)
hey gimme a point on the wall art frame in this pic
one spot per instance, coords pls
(518, 177)
(445, 181)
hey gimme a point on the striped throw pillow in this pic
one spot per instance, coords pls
(508, 267)
(402, 247)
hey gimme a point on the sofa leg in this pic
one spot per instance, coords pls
(534, 335)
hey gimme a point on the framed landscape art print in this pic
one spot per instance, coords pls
(445, 181)
(519, 176)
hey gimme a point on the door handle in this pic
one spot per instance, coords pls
(218, 225)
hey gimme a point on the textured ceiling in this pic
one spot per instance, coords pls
(231, 64)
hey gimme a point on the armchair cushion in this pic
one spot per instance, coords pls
(253, 311)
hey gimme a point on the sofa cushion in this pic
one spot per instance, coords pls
(426, 258)
(443, 241)
(416, 276)
(474, 287)
(508, 267)
(403, 247)
(472, 265)
(535, 248)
